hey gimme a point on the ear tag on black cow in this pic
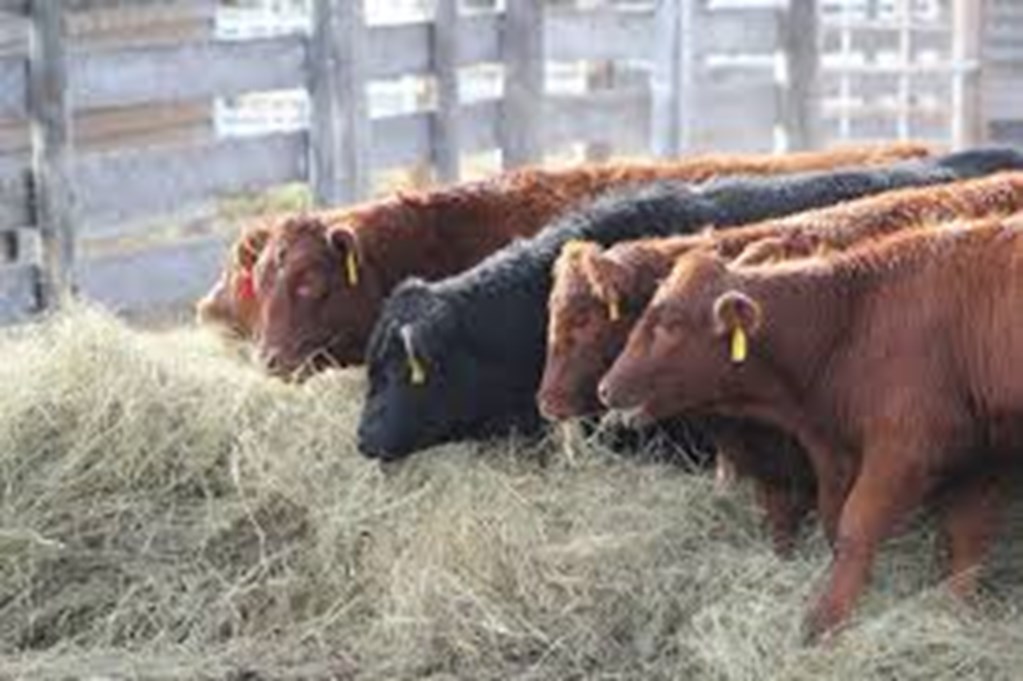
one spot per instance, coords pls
(739, 346)
(352, 268)
(417, 374)
(614, 310)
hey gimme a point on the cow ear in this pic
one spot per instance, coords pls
(608, 279)
(249, 246)
(761, 252)
(739, 316)
(345, 244)
(736, 310)
(416, 370)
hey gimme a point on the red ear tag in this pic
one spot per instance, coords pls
(244, 288)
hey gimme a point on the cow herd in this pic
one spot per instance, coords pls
(841, 325)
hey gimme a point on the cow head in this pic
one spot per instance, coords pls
(231, 304)
(431, 380)
(590, 314)
(318, 296)
(693, 347)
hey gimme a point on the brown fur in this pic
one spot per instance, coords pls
(893, 364)
(438, 233)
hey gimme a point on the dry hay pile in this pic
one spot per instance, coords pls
(165, 511)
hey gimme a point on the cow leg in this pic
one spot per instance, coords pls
(784, 507)
(887, 487)
(832, 490)
(969, 518)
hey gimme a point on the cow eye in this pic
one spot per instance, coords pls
(310, 289)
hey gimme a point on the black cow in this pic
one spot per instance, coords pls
(462, 357)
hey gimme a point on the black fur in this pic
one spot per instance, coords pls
(481, 334)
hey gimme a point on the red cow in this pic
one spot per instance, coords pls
(231, 304)
(892, 364)
(322, 280)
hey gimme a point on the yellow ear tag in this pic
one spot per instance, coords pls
(738, 345)
(614, 310)
(352, 267)
(417, 374)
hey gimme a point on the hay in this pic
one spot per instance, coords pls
(165, 511)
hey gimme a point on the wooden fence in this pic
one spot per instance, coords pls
(96, 101)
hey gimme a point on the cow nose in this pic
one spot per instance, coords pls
(604, 393)
(269, 359)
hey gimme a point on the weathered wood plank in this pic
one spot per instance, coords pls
(123, 25)
(50, 115)
(13, 88)
(523, 51)
(18, 293)
(116, 187)
(446, 149)
(597, 34)
(174, 274)
(737, 30)
(340, 130)
(187, 72)
(615, 116)
(618, 117)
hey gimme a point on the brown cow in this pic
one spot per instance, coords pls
(892, 363)
(321, 282)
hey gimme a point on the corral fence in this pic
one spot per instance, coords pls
(106, 122)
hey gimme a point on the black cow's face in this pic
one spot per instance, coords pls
(431, 381)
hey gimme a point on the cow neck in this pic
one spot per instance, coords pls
(807, 317)
(400, 242)
(649, 266)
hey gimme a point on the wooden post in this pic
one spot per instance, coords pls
(339, 126)
(523, 51)
(600, 76)
(446, 150)
(967, 108)
(801, 108)
(50, 119)
(672, 81)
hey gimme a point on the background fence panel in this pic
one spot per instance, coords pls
(160, 90)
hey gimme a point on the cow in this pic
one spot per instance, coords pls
(462, 357)
(230, 306)
(352, 259)
(892, 363)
